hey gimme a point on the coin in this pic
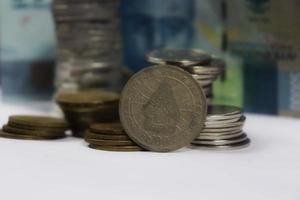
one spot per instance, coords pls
(222, 142)
(117, 148)
(107, 128)
(225, 121)
(109, 142)
(87, 98)
(179, 57)
(202, 70)
(217, 111)
(219, 137)
(39, 133)
(225, 125)
(154, 111)
(221, 130)
(91, 135)
(41, 121)
(33, 128)
(26, 137)
(235, 146)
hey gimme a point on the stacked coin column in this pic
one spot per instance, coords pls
(204, 68)
(89, 44)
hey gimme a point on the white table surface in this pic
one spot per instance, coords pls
(66, 169)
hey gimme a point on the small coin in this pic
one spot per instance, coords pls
(219, 137)
(179, 57)
(226, 125)
(235, 146)
(221, 130)
(204, 70)
(40, 121)
(220, 111)
(87, 98)
(226, 141)
(225, 121)
(154, 110)
(117, 148)
(107, 128)
(39, 133)
(26, 137)
(222, 142)
(110, 142)
(90, 135)
(33, 128)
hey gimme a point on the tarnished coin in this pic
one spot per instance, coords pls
(39, 133)
(107, 128)
(202, 70)
(91, 135)
(109, 142)
(117, 148)
(179, 57)
(34, 128)
(162, 108)
(236, 146)
(40, 121)
(26, 137)
(87, 98)
(238, 139)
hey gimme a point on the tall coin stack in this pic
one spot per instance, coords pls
(223, 129)
(89, 44)
(204, 68)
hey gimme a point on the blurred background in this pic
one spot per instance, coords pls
(45, 49)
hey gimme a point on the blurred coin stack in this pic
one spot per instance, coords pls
(204, 68)
(110, 137)
(223, 128)
(34, 128)
(81, 109)
(89, 51)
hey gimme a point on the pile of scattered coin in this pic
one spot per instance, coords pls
(89, 44)
(110, 137)
(223, 128)
(81, 109)
(204, 68)
(34, 128)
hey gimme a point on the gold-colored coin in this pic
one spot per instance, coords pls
(110, 142)
(117, 148)
(34, 128)
(40, 121)
(39, 133)
(107, 128)
(25, 137)
(90, 135)
(87, 98)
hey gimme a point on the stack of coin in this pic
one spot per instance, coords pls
(34, 128)
(89, 43)
(203, 67)
(223, 128)
(81, 109)
(110, 137)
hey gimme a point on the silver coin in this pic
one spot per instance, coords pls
(221, 133)
(235, 146)
(239, 123)
(219, 137)
(201, 70)
(221, 142)
(221, 130)
(203, 77)
(217, 110)
(160, 106)
(225, 121)
(179, 57)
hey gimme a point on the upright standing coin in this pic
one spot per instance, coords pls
(162, 108)
(179, 57)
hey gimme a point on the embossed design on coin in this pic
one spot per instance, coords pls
(162, 108)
